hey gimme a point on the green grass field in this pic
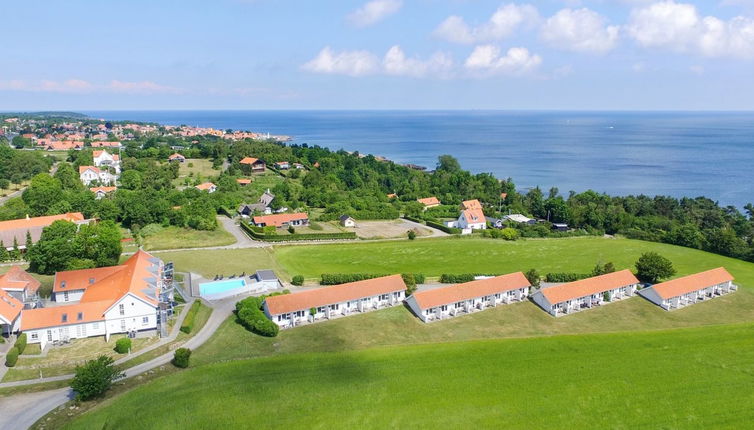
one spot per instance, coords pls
(695, 378)
(176, 237)
(208, 263)
(434, 257)
(199, 168)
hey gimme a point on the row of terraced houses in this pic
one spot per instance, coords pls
(449, 301)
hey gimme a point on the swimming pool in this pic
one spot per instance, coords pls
(224, 288)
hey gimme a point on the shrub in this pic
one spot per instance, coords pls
(447, 278)
(410, 281)
(181, 357)
(188, 322)
(190, 164)
(21, 343)
(122, 345)
(419, 278)
(533, 277)
(297, 280)
(11, 357)
(441, 227)
(411, 235)
(565, 277)
(259, 233)
(343, 278)
(250, 315)
(414, 219)
(95, 377)
(291, 230)
(509, 233)
(150, 229)
(606, 296)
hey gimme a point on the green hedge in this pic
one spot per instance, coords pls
(449, 278)
(225, 211)
(255, 233)
(297, 280)
(11, 357)
(442, 227)
(250, 315)
(188, 322)
(21, 343)
(343, 278)
(565, 277)
(410, 218)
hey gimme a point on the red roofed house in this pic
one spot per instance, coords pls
(89, 174)
(177, 157)
(253, 165)
(101, 192)
(19, 284)
(575, 296)
(118, 299)
(64, 145)
(471, 204)
(281, 220)
(243, 181)
(18, 228)
(472, 219)
(207, 186)
(10, 311)
(98, 144)
(429, 202)
(690, 289)
(290, 310)
(445, 302)
(102, 158)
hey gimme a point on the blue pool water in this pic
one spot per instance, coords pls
(218, 287)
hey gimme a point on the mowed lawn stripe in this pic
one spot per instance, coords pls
(434, 257)
(692, 378)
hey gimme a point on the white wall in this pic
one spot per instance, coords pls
(73, 296)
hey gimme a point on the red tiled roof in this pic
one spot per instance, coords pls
(335, 294)
(243, 181)
(470, 290)
(79, 279)
(103, 189)
(279, 219)
(10, 307)
(17, 279)
(205, 186)
(471, 204)
(474, 216)
(176, 156)
(83, 169)
(687, 284)
(52, 317)
(249, 160)
(42, 221)
(429, 201)
(589, 286)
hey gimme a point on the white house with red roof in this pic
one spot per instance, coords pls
(118, 299)
(691, 289)
(10, 313)
(102, 158)
(472, 219)
(207, 186)
(19, 284)
(586, 293)
(290, 310)
(90, 174)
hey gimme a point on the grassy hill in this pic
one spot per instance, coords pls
(694, 378)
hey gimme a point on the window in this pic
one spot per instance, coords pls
(383, 297)
(299, 313)
(64, 318)
(444, 307)
(95, 326)
(80, 316)
(91, 280)
(122, 325)
(280, 318)
(321, 309)
(62, 284)
(458, 305)
(49, 335)
(145, 320)
(122, 310)
(35, 336)
(65, 296)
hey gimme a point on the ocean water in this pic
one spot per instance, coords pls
(654, 153)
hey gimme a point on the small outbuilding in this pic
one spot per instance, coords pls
(347, 221)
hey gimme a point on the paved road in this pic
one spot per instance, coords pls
(23, 410)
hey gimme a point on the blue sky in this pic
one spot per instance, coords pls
(379, 54)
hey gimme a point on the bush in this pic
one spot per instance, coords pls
(565, 277)
(151, 229)
(441, 227)
(122, 345)
(11, 357)
(258, 233)
(509, 233)
(414, 219)
(533, 277)
(181, 357)
(410, 281)
(188, 322)
(250, 315)
(291, 230)
(297, 280)
(21, 343)
(411, 235)
(343, 278)
(95, 377)
(447, 278)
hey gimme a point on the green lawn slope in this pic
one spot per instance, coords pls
(693, 378)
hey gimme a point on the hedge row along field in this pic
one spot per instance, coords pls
(188, 322)
(258, 233)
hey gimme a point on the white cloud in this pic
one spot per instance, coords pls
(351, 63)
(580, 30)
(487, 60)
(79, 86)
(679, 27)
(395, 63)
(501, 24)
(374, 12)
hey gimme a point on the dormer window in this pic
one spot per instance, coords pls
(62, 284)
(91, 281)
(80, 316)
(65, 318)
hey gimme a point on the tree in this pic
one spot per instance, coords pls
(533, 277)
(601, 269)
(15, 254)
(448, 163)
(29, 243)
(652, 267)
(411, 235)
(297, 280)
(130, 180)
(68, 177)
(181, 357)
(54, 249)
(95, 377)
(43, 192)
(4, 256)
(4, 184)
